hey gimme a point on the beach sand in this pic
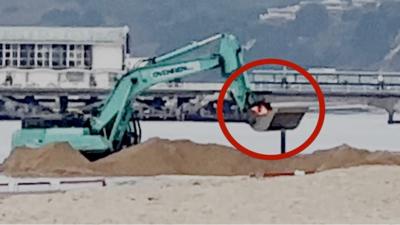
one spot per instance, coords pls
(366, 194)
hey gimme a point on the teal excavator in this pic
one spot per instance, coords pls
(115, 126)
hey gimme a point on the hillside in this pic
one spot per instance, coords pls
(339, 33)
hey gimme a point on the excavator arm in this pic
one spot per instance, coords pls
(114, 119)
(116, 114)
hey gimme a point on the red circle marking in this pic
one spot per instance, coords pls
(269, 61)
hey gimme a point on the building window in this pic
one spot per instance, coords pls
(80, 56)
(56, 56)
(6, 54)
(10, 55)
(75, 56)
(1, 55)
(27, 56)
(59, 56)
(88, 56)
(14, 58)
(43, 56)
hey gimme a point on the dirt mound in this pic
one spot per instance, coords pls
(58, 159)
(158, 156)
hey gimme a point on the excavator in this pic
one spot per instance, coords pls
(115, 124)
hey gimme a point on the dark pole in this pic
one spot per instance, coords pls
(63, 104)
(283, 141)
(391, 120)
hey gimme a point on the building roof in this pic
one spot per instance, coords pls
(63, 34)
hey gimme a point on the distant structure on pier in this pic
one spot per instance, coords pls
(62, 56)
(279, 15)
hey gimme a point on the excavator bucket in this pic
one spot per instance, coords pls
(263, 117)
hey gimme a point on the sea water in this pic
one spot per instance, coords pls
(363, 130)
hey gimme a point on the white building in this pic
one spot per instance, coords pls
(277, 15)
(62, 56)
(336, 6)
(366, 3)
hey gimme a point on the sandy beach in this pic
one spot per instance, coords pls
(366, 194)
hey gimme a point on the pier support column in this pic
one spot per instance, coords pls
(391, 117)
(283, 141)
(63, 104)
(389, 104)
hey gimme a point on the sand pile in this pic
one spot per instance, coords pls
(159, 156)
(58, 159)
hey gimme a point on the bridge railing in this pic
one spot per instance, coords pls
(337, 78)
(262, 79)
(348, 81)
